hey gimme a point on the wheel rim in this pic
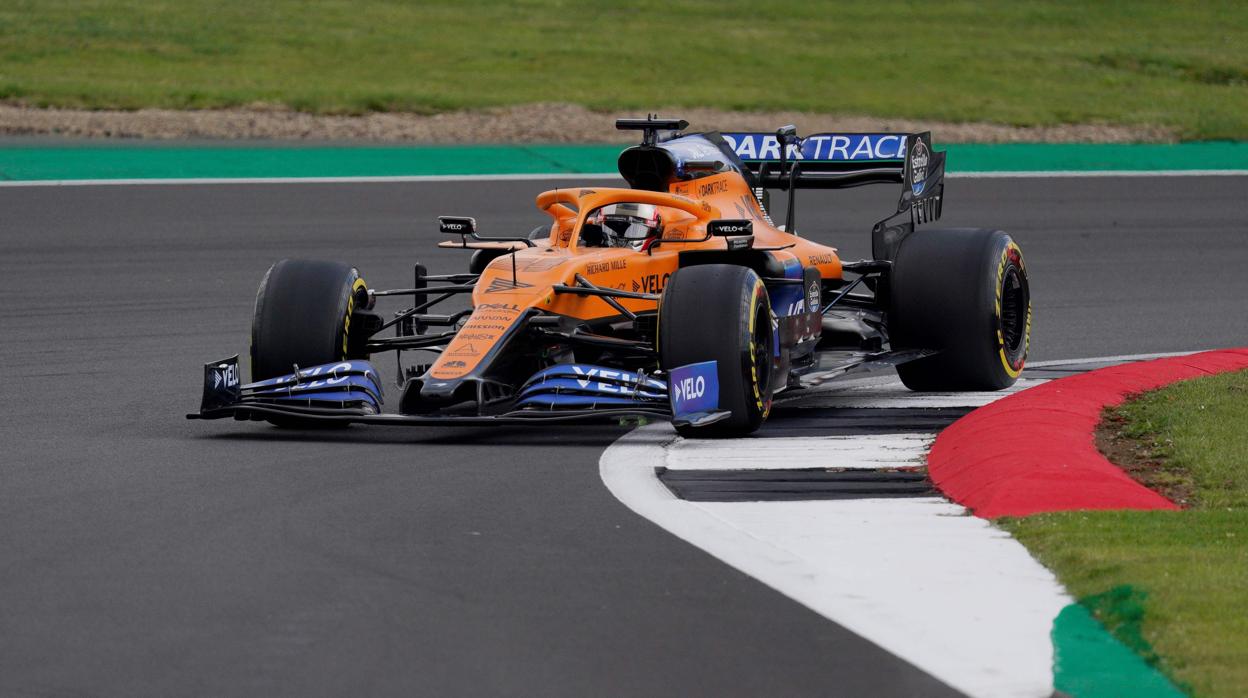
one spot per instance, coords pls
(1014, 304)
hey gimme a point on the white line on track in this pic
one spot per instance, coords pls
(1122, 358)
(560, 176)
(871, 451)
(868, 393)
(948, 592)
(944, 591)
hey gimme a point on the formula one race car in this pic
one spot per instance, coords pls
(676, 298)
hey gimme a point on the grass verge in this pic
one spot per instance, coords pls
(1170, 585)
(1182, 65)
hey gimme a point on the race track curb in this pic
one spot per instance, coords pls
(51, 162)
(1034, 451)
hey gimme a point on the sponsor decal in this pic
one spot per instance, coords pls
(457, 225)
(651, 283)
(715, 187)
(817, 259)
(732, 228)
(225, 375)
(488, 323)
(694, 388)
(585, 379)
(327, 369)
(504, 285)
(829, 147)
(453, 364)
(588, 378)
(812, 296)
(918, 167)
(600, 267)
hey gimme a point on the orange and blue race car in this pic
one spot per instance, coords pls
(677, 298)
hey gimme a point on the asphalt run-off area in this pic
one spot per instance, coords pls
(147, 554)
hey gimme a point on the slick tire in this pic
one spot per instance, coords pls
(721, 313)
(302, 317)
(963, 292)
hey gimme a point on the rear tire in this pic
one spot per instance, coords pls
(965, 293)
(721, 313)
(302, 317)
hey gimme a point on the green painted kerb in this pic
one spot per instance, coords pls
(110, 161)
(1089, 662)
(160, 161)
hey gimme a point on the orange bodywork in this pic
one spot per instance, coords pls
(501, 299)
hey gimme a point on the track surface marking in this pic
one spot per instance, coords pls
(144, 554)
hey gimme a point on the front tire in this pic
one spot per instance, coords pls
(302, 316)
(721, 313)
(963, 292)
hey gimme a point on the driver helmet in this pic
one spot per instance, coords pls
(628, 225)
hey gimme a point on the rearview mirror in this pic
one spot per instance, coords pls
(738, 233)
(787, 134)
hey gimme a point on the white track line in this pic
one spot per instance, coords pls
(855, 452)
(1123, 358)
(561, 176)
(945, 591)
(868, 394)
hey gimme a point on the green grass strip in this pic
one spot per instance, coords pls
(1168, 585)
(1180, 65)
(110, 160)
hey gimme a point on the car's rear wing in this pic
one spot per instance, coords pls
(784, 161)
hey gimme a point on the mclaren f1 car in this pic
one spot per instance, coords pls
(677, 297)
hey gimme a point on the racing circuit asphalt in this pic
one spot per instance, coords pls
(144, 554)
